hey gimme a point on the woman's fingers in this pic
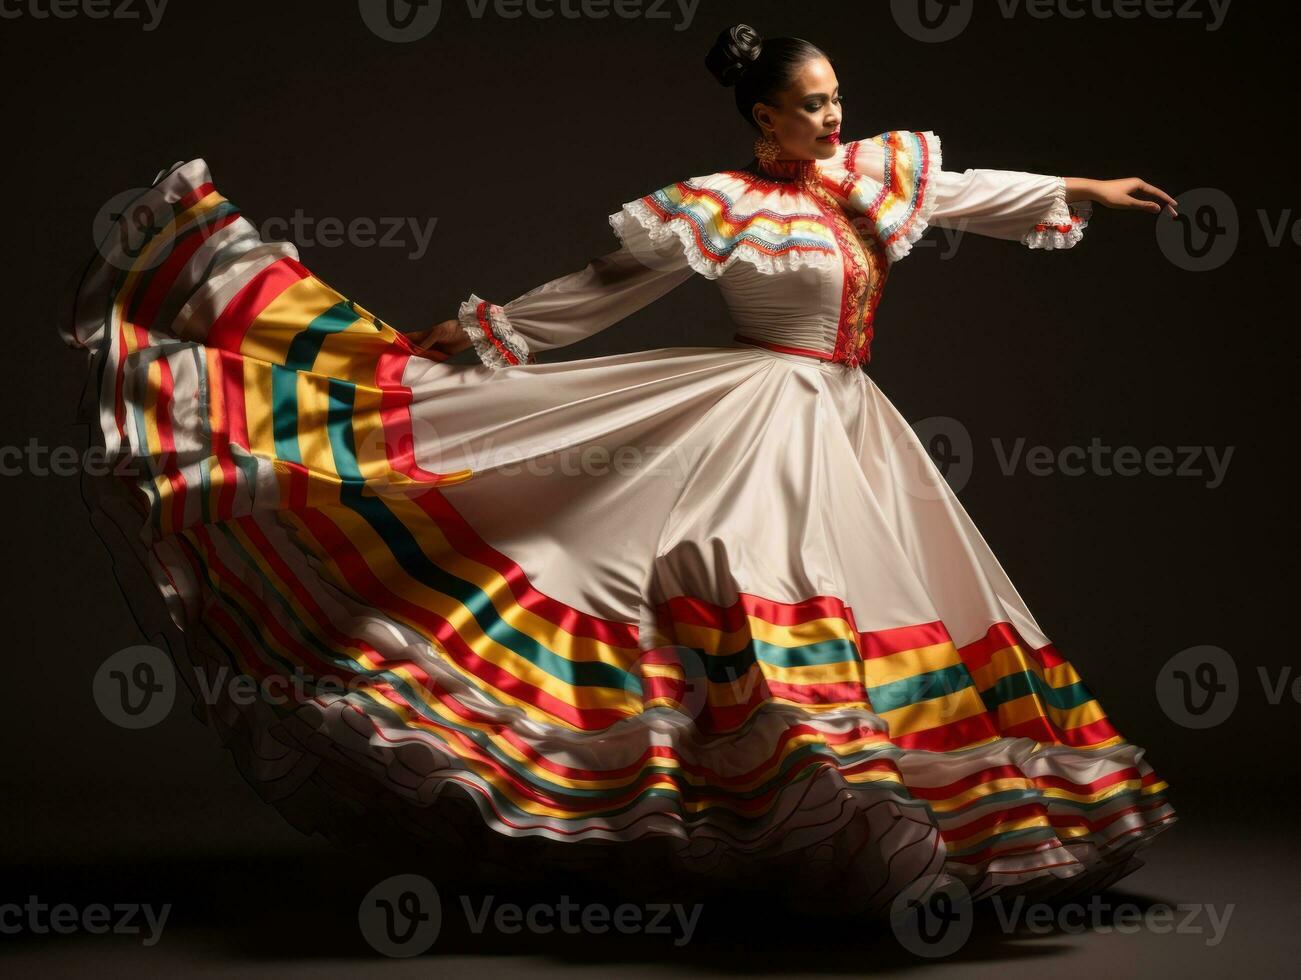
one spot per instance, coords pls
(1156, 198)
(1158, 193)
(436, 337)
(1150, 206)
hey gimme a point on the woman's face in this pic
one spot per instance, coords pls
(806, 113)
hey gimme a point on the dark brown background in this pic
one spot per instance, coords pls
(520, 136)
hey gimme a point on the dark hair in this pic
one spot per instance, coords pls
(758, 67)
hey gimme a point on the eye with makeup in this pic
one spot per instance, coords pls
(815, 106)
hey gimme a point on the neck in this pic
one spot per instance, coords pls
(787, 169)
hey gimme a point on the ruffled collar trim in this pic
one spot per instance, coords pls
(765, 216)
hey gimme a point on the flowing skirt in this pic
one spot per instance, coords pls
(713, 600)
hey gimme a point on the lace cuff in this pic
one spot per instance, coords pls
(493, 337)
(1063, 226)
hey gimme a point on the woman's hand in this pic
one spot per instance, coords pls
(1126, 193)
(447, 337)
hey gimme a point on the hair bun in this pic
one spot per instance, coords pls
(733, 52)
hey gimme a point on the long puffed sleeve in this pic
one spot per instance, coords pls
(1008, 204)
(566, 310)
(898, 181)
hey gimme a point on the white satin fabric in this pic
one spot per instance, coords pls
(709, 470)
(619, 481)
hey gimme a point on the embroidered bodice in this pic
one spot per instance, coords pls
(862, 262)
(801, 249)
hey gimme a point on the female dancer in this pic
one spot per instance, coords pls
(714, 601)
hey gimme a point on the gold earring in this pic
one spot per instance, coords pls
(767, 148)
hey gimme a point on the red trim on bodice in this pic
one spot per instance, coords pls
(862, 255)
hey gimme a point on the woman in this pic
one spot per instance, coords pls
(713, 603)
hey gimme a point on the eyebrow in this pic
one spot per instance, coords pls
(811, 95)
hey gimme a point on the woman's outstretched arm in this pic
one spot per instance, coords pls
(1043, 211)
(560, 312)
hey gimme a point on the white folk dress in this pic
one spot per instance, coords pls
(717, 598)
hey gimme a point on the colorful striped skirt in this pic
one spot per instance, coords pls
(713, 599)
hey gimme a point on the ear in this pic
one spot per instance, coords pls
(762, 116)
